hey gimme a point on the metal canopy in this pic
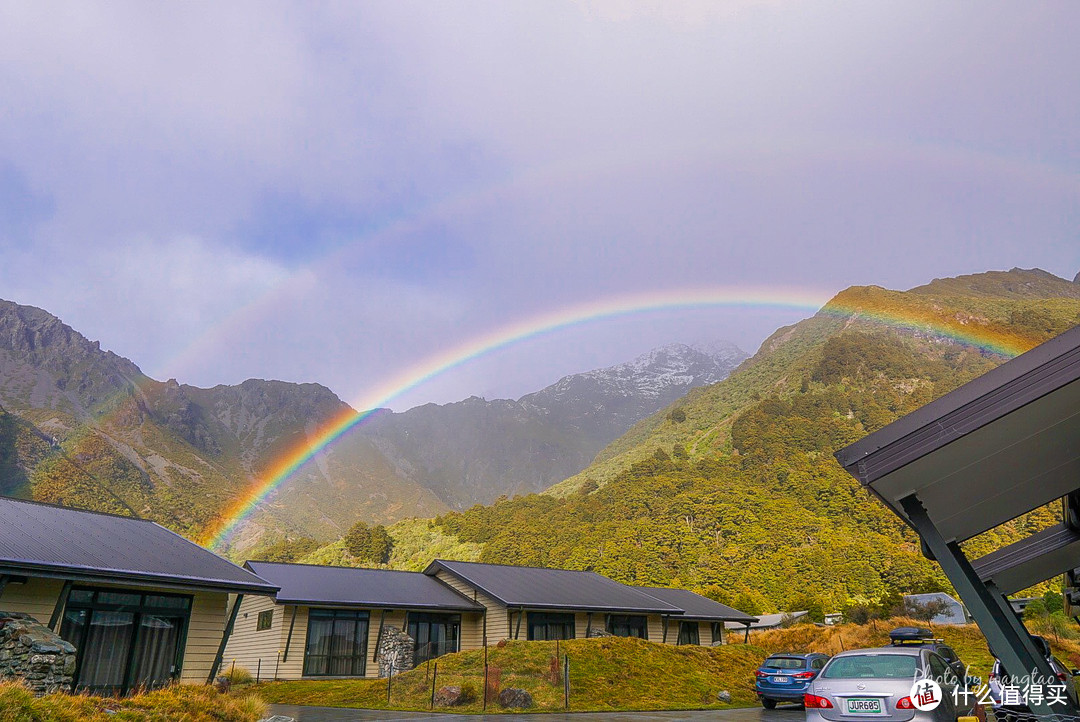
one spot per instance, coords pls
(997, 447)
(1047, 554)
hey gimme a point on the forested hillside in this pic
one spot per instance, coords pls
(733, 490)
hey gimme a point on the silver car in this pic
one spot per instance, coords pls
(887, 684)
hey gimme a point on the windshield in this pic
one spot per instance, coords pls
(871, 666)
(784, 663)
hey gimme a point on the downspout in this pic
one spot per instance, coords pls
(61, 602)
(288, 640)
(225, 639)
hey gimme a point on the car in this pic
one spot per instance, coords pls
(1007, 711)
(783, 677)
(880, 684)
(924, 637)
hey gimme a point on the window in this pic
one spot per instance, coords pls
(817, 663)
(125, 639)
(628, 625)
(336, 643)
(435, 635)
(265, 621)
(688, 633)
(544, 625)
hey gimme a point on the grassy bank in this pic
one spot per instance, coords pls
(605, 674)
(182, 703)
(966, 639)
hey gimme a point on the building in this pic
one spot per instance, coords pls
(953, 612)
(767, 621)
(328, 621)
(142, 605)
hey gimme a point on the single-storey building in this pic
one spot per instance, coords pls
(702, 621)
(328, 621)
(142, 605)
(952, 611)
(768, 621)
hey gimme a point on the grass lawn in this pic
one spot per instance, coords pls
(606, 674)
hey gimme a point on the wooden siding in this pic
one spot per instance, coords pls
(497, 618)
(247, 645)
(37, 598)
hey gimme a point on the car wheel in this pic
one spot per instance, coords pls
(768, 703)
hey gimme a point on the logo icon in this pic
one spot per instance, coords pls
(925, 695)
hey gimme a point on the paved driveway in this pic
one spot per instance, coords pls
(332, 714)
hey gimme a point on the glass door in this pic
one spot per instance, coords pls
(125, 640)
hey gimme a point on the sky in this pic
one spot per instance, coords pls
(337, 192)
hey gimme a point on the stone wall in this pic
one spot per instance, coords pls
(32, 653)
(395, 650)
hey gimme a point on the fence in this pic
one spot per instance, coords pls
(557, 675)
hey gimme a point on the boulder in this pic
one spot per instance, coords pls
(723, 696)
(449, 696)
(515, 698)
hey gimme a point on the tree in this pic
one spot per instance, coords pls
(372, 544)
(926, 611)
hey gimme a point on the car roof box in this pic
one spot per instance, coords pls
(910, 634)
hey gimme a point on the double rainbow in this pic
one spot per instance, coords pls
(854, 304)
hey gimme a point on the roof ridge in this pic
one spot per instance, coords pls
(50, 505)
(333, 566)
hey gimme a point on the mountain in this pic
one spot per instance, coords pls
(473, 451)
(85, 427)
(733, 489)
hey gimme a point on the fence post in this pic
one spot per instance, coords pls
(566, 682)
(433, 678)
(389, 680)
(485, 678)
(258, 671)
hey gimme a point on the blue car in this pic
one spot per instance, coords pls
(784, 677)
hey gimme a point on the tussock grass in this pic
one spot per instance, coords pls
(608, 673)
(966, 639)
(179, 703)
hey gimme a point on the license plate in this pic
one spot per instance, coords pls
(781, 680)
(864, 706)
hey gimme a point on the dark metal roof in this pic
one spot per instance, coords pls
(537, 588)
(695, 606)
(315, 585)
(993, 449)
(45, 540)
(1048, 553)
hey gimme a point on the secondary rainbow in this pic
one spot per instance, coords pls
(807, 300)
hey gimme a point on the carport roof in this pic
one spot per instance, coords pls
(997, 447)
(54, 541)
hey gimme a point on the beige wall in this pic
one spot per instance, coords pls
(248, 646)
(205, 626)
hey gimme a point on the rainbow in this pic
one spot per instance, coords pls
(897, 310)
(859, 303)
(809, 300)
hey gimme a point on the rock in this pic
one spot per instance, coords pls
(515, 698)
(449, 696)
(597, 632)
(33, 654)
(222, 683)
(724, 696)
(395, 651)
